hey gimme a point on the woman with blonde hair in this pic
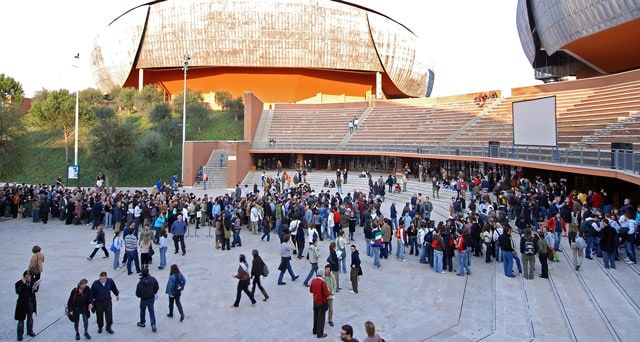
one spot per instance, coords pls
(145, 250)
(370, 328)
(99, 241)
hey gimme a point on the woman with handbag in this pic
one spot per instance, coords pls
(257, 270)
(243, 282)
(175, 285)
(577, 244)
(116, 246)
(79, 303)
(99, 241)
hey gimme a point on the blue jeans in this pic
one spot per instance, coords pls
(609, 260)
(107, 219)
(437, 260)
(343, 265)
(394, 223)
(507, 260)
(631, 250)
(423, 255)
(289, 269)
(237, 241)
(163, 256)
(267, 234)
(132, 256)
(312, 272)
(413, 243)
(516, 257)
(147, 304)
(468, 252)
(558, 236)
(116, 259)
(369, 248)
(277, 227)
(376, 256)
(591, 241)
(462, 263)
(36, 215)
(400, 249)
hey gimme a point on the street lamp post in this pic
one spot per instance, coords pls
(184, 108)
(75, 147)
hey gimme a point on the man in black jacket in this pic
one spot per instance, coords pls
(146, 291)
(102, 289)
(26, 290)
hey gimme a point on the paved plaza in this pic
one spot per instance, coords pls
(406, 300)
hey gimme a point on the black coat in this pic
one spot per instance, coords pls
(608, 239)
(81, 302)
(25, 295)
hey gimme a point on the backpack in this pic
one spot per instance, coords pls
(529, 248)
(428, 237)
(542, 246)
(584, 226)
(513, 200)
(178, 284)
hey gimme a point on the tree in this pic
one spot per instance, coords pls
(124, 98)
(149, 145)
(170, 129)
(11, 133)
(10, 90)
(149, 96)
(160, 112)
(55, 110)
(111, 145)
(103, 112)
(235, 107)
(221, 97)
(191, 98)
(198, 115)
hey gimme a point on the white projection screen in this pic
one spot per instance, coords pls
(534, 122)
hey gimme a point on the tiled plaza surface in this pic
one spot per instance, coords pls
(406, 300)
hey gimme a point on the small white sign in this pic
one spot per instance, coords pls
(231, 158)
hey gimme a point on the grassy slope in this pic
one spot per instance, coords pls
(46, 156)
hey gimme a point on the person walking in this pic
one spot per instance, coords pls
(257, 267)
(175, 285)
(36, 263)
(321, 295)
(146, 290)
(116, 247)
(285, 260)
(131, 251)
(356, 270)
(578, 245)
(101, 290)
(26, 289)
(178, 229)
(313, 254)
(80, 303)
(370, 328)
(243, 277)
(99, 242)
(163, 246)
(331, 285)
(528, 251)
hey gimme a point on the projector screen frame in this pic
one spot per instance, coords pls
(516, 140)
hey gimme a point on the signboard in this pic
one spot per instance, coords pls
(73, 172)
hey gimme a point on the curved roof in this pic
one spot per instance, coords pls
(600, 34)
(333, 35)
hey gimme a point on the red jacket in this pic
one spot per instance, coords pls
(552, 224)
(319, 290)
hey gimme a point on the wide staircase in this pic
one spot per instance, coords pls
(217, 174)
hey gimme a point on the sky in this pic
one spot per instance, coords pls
(471, 48)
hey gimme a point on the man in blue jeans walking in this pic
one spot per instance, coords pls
(146, 290)
(507, 252)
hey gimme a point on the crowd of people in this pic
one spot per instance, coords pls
(482, 218)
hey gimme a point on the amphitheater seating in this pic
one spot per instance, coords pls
(312, 125)
(426, 124)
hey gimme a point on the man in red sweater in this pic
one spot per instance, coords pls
(320, 293)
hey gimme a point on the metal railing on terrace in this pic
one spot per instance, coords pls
(622, 160)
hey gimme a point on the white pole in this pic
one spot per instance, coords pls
(184, 109)
(75, 147)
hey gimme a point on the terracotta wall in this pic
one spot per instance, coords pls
(196, 154)
(239, 162)
(252, 112)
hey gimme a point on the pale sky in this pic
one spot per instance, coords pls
(473, 46)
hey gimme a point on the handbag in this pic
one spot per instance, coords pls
(67, 309)
(113, 247)
(151, 251)
(550, 253)
(580, 243)
(359, 270)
